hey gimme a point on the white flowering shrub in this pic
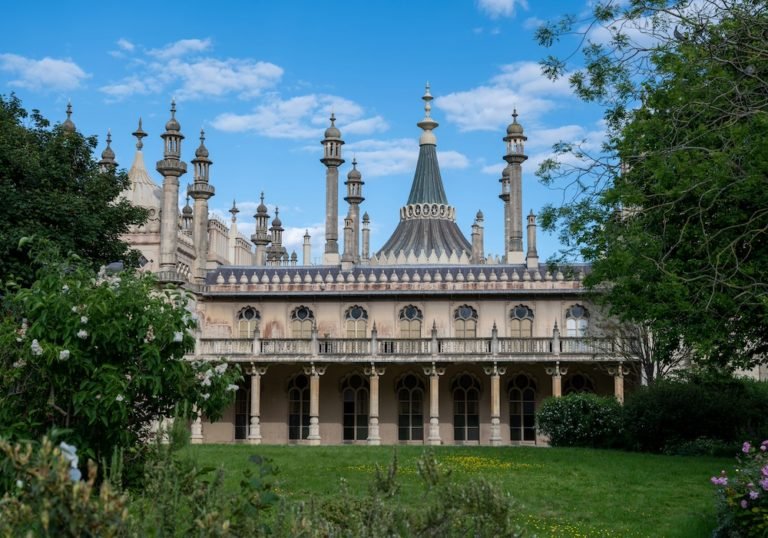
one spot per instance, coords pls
(582, 419)
(101, 356)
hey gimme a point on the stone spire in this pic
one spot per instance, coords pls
(307, 249)
(172, 168)
(233, 234)
(477, 239)
(332, 160)
(276, 251)
(366, 254)
(107, 161)
(532, 257)
(68, 125)
(515, 156)
(187, 218)
(143, 191)
(354, 197)
(260, 236)
(201, 191)
(428, 124)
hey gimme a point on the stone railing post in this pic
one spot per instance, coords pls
(374, 340)
(556, 340)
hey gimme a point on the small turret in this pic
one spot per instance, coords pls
(260, 236)
(68, 125)
(307, 249)
(107, 161)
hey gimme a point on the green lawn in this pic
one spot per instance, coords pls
(561, 492)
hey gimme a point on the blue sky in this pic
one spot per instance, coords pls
(262, 77)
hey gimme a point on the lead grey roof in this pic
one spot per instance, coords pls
(423, 236)
(427, 184)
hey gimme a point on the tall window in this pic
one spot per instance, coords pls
(522, 408)
(241, 411)
(465, 322)
(410, 405)
(578, 383)
(357, 322)
(298, 407)
(521, 322)
(354, 392)
(410, 322)
(247, 322)
(576, 320)
(302, 319)
(466, 408)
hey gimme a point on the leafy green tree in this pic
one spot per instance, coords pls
(52, 188)
(672, 210)
(102, 357)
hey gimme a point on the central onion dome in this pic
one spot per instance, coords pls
(427, 231)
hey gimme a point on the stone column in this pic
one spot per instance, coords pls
(618, 374)
(314, 372)
(557, 373)
(434, 374)
(373, 374)
(196, 433)
(495, 372)
(254, 429)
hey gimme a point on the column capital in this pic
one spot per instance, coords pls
(373, 370)
(314, 369)
(557, 370)
(254, 369)
(619, 370)
(495, 369)
(433, 369)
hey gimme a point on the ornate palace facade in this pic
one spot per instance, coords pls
(425, 340)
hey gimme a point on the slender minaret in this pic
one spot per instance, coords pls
(172, 168)
(107, 161)
(505, 199)
(366, 255)
(68, 125)
(200, 191)
(187, 217)
(477, 239)
(515, 156)
(332, 160)
(532, 258)
(354, 198)
(348, 258)
(276, 251)
(260, 236)
(307, 249)
(233, 234)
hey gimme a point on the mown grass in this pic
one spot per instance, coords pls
(560, 492)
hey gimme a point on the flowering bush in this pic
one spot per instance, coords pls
(102, 357)
(743, 496)
(582, 420)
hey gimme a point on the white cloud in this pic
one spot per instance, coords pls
(397, 156)
(129, 86)
(520, 85)
(125, 45)
(181, 48)
(304, 116)
(48, 73)
(500, 8)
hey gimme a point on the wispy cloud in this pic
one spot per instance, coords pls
(181, 47)
(487, 107)
(125, 45)
(500, 8)
(45, 74)
(301, 117)
(397, 156)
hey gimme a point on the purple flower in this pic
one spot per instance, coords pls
(744, 504)
(719, 480)
(745, 447)
(764, 471)
(754, 494)
(764, 484)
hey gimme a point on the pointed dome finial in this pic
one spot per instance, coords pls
(427, 124)
(202, 152)
(234, 211)
(276, 222)
(514, 128)
(139, 134)
(173, 123)
(332, 131)
(187, 209)
(68, 125)
(108, 155)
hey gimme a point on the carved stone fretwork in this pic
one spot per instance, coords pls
(374, 373)
(427, 211)
(434, 372)
(254, 428)
(618, 372)
(557, 372)
(495, 372)
(314, 372)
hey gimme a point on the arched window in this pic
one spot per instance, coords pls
(247, 322)
(465, 322)
(241, 411)
(578, 383)
(354, 391)
(298, 407)
(576, 320)
(521, 322)
(466, 408)
(356, 319)
(410, 408)
(302, 319)
(522, 408)
(410, 322)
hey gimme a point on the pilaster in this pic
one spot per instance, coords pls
(374, 373)
(434, 374)
(495, 372)
(314, 372)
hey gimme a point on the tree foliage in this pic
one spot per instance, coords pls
(672, 210)
(101, 356)
(52, 188)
